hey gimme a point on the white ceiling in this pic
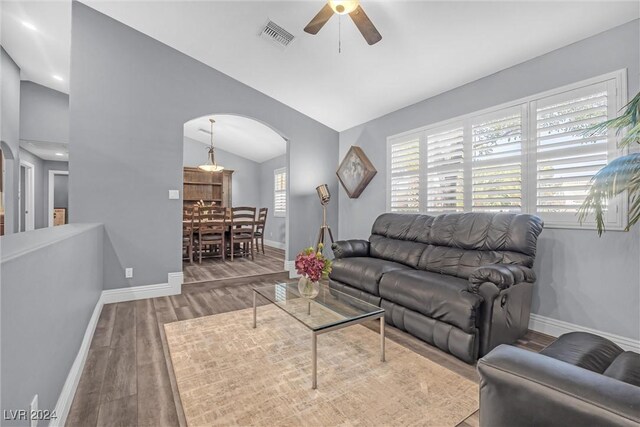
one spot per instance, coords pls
(56, 151)
(244, 137)
(42, 47)
(428, 47)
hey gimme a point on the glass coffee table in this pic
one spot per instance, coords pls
(328, 311)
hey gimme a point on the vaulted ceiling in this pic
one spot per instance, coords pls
(428, 47)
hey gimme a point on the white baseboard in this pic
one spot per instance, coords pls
(73, 378)
(290, 266)
(274, 244)
(172, 287)
(555, 328)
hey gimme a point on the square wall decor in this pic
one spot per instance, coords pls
(355, 172)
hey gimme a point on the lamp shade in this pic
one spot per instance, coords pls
(323, 193)
(342, 7)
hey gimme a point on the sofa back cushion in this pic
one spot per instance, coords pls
(455, 244)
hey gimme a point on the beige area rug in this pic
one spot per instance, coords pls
(231, 374)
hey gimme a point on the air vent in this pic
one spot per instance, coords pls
(276, 35)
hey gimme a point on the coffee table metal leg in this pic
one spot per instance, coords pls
(382, 322)
(255, 311)
(314, 361)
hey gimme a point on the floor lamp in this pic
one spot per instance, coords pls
(325, 196)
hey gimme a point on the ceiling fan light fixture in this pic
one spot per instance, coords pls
(211, 165)
(343, 7)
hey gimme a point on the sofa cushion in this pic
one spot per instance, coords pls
(363, 273)
(441, 297)
(402, 251)
(585, 350)
(626, 368)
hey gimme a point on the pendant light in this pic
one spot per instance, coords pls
(211, 165)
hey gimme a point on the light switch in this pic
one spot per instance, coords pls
(128, 273)
(174, 194)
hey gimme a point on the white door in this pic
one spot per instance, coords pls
(27, 197)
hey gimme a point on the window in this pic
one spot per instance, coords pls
(529, 156)
(280, 192)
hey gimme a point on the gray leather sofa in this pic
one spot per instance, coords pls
(579, 380)
(461, 282)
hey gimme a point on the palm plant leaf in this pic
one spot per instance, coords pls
(622, 174)
(630, 118)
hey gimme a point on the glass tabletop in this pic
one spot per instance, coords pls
(329, 308)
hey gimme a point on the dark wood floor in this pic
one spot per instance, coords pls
(272, 261)
(128, 379)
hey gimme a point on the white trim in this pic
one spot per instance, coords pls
(52, 174)
(173, 287)
(274, 244)
(68, 391)
(109, 296)
(29, 204)
(553, 327)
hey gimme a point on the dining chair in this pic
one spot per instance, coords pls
(242, 231)
(212, 225)
(187, 233)
(260, 224)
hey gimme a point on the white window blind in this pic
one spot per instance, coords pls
(496, 145)
(566, 158)
(404, 169)
(530, 156)
(445, 170)
(280, 192)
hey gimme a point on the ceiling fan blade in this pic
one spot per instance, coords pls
(319, 20)
(366, 27)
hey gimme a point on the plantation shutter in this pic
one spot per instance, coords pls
(280, 192)
(405, 175)
(566, 158)
(496, 147)
(445, 169)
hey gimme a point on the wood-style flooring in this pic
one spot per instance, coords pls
(272, 261)
(128, 378)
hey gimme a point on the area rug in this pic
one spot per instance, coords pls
(231, 374)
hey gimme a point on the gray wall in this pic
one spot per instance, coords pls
(45, 310)
(40, 187)
(61, 191)
(276, 226)
(9, 136)
(44, 114)
(582, 279)
(130, 98)
(246, 173)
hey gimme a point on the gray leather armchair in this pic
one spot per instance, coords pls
(461, 282)
(579, 380)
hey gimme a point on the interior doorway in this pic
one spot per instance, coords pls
(26, 196)
(58, 209)
(232, 162)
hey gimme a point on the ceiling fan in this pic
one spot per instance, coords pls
(354, 10)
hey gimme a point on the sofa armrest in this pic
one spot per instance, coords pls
(350, 248)
(520, 387)
(501, 275)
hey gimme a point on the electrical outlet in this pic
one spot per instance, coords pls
(174, 194)
(33, 411)
(128, 273)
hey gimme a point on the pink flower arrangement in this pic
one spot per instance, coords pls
(312, 264)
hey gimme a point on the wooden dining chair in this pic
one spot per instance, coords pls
(212, 225)
(242, 231)
(260, 224)
(187, 233)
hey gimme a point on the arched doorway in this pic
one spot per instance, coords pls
(252, 158)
